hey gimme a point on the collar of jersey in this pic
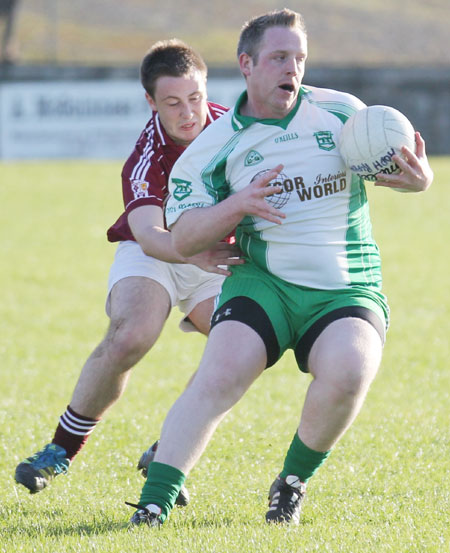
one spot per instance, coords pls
(240, 122)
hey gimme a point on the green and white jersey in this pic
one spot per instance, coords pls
(325, 241)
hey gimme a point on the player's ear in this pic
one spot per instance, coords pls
(150, 101)
(245, 64)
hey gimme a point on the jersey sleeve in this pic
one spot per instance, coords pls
(186, 189)
(143, 180)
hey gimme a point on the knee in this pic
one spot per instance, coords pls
(354, 380)
(346, 361)
(351, 376)
(224, 387)
(126, 344)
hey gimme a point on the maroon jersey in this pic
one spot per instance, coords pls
(146, 172)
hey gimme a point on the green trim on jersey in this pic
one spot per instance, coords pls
(253, 246)
(240, 122)
(213, 175)
(325, 241)
(340, 110)
(362, 252)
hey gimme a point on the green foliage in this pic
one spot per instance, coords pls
(385, 488)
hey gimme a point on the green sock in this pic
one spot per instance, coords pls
(162, 487)
(302, 461)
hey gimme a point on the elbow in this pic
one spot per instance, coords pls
(146, 246)
(147, 251)
(182, 244)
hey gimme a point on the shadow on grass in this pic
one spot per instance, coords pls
(54, 530)
(98, 528)
(55, 522)
(216, 521)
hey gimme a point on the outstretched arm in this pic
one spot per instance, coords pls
(197, 229)
(415, 174)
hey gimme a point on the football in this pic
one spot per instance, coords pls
(371, 136)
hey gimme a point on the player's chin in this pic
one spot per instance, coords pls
(285, 105)
(286, 98)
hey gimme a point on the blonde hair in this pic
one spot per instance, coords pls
(253, 30)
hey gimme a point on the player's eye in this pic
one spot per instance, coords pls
(196, 98)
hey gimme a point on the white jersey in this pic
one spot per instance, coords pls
(325, 241)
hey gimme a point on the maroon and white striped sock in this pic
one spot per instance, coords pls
(73, 431)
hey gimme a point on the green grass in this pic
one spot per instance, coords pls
(386, 486)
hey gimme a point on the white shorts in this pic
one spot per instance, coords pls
(187, 285)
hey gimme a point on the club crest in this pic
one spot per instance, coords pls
(182, 190)
(325, 140)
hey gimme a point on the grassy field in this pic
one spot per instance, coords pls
(386, 486)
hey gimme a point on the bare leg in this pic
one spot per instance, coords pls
(343, 362)
(221, 380)
(200, 316)
(139, 309)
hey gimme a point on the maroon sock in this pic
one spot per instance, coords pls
(73, 431)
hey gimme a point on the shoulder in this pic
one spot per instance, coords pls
(216, 111)
(149, 134)
(147, 150)
(327, 98)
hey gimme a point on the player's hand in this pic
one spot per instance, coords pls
(415, 174)
(252, 199)
(216, 258)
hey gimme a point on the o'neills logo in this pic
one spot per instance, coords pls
(286, 137)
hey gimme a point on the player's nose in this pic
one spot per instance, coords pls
(186, 111)
(291, 66)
